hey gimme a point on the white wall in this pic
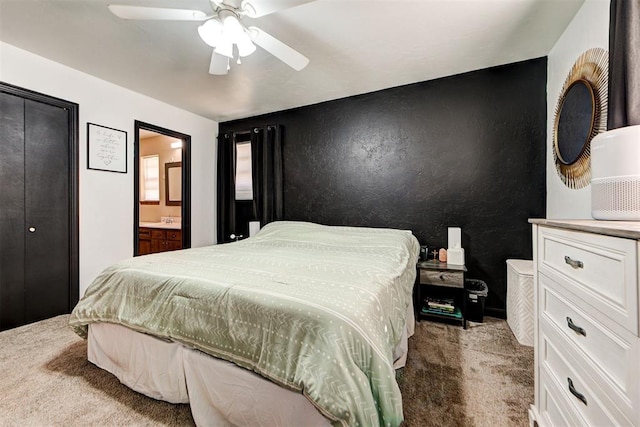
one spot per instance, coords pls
(106, 199)
(588, 29)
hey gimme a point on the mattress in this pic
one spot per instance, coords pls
(219, 392)
(317, 310)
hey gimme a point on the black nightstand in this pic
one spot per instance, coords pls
(442, 285)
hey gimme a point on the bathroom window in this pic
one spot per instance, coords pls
(150, 188)
(244, 181)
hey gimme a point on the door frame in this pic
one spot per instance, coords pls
(74, 167)
(185, 208)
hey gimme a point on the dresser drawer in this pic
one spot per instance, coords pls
(554, 409)
(599, 269)
(613, 354)
(568, 372)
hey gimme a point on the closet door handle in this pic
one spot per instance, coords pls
(573, 263)
(575, 328)
(575, 392)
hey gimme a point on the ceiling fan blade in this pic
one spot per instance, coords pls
(284, 53)
(258, 8)
(156, 13)
(219, 64)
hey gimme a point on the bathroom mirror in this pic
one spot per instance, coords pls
(581, 114)
(173, 183)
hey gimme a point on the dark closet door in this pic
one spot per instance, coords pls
(11, 211)
(35, 239)
(46, 183)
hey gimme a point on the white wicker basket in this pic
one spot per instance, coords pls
(520, 299)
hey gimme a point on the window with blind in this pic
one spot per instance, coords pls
(150, 182)
(244, 179)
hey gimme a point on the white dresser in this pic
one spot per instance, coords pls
(587, 345)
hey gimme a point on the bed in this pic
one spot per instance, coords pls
(300, 324)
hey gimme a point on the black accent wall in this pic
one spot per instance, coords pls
(467, 151)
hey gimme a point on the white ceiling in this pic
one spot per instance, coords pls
(355, 46)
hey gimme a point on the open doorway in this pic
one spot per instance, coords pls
(162, 190)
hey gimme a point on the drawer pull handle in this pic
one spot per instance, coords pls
(576, 329)
(575, 392)
(441, 276)
(573, 263)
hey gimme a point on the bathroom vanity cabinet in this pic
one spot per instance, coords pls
(154, 240)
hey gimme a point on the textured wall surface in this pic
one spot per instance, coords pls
(465, 151)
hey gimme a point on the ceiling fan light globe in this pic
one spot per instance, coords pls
(225, 48)
(211, 32)
(246, 51)
(232, 29)
(245, 46)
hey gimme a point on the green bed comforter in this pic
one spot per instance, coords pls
(313, 308)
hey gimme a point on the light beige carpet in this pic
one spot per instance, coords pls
(478, 377)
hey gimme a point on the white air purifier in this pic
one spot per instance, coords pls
(615, 174)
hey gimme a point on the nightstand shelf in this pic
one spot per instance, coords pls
(443, 283)
(456, 314)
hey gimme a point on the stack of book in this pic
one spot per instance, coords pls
(444, 306)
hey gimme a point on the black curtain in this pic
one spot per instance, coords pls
(624, 64)
(266, 154)
(266, 168)
(226, 187)
(257, 138)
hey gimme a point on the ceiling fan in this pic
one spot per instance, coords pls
(223, 29)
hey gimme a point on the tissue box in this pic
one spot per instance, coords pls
(455, 256)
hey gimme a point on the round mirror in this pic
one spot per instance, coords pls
(581, 114)
(575, 122)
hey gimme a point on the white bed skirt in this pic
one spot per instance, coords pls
(219, 392)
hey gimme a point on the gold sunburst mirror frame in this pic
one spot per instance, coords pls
(581, 114)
